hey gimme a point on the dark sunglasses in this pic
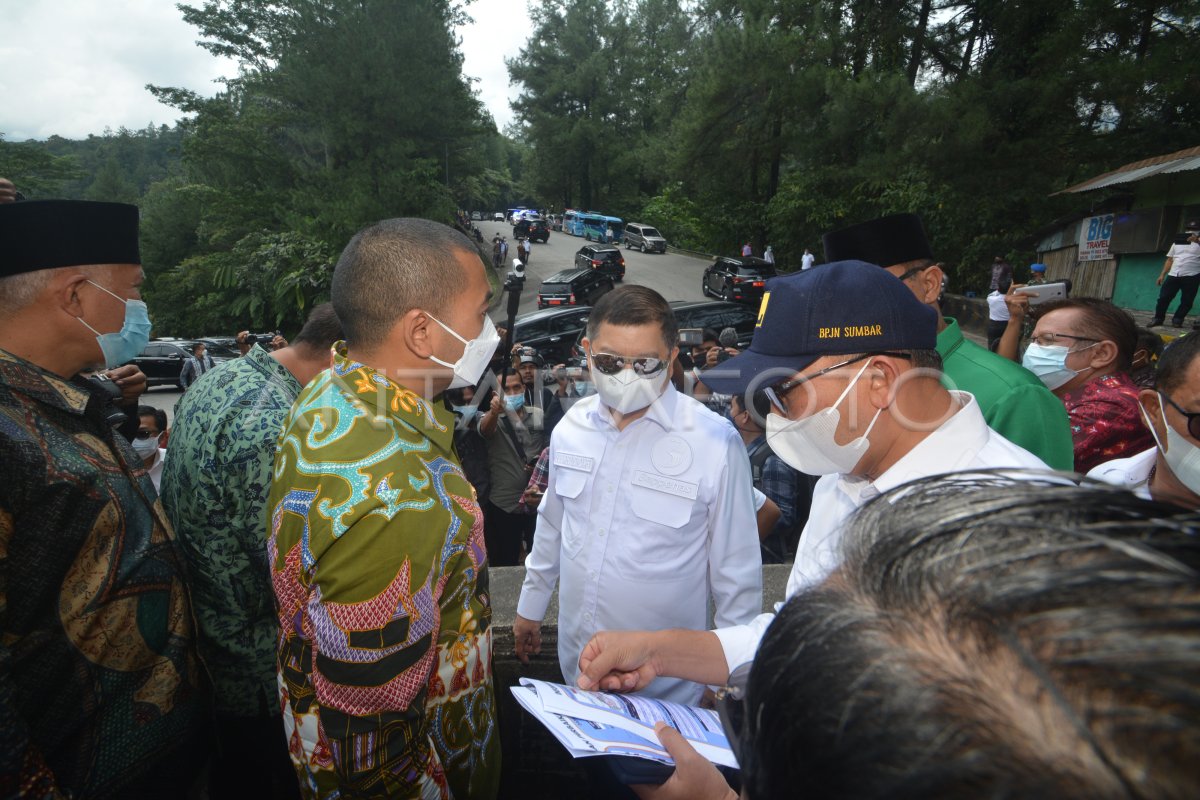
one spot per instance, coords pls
(611, 365)
(147, 435)
(1193, 417)
(731, 708)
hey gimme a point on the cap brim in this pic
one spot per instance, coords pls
(753, 371)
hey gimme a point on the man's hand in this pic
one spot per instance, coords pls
(497, 406)
(532, 496)
(8, 192)
(618, 661)
(131, 380)
(278, 343)
(695, 777)
(527, 638)
(710, 358)
(1018, 304)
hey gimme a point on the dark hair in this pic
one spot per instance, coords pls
(160, 416)
(320, 330)
(987, 637)
(392, 267)
(1004, 285)
(634, 305)
(1105, 321)
(761, 405)
(197, 345)
(1175, 361)
(710, 335)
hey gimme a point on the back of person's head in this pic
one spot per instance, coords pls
(390, 268)
(1105, 321)
(320, 330)
(988, 638)
(1003, 285)
(634, 305)
(1174, 363)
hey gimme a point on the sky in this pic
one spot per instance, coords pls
(74, 67)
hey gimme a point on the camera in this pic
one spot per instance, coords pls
(723, 355)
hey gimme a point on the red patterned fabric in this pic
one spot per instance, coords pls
(1106, 422)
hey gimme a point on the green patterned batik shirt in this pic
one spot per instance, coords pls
(214, 488)
(380, 573)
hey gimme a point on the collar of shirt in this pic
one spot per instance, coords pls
(26, 378)
(950, 339)
(966, 428)
(661, 412)
(377, 391)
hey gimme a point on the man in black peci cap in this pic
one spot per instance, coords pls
(99, 680)
(1014, 402)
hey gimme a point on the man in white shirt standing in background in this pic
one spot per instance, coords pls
(1180, 273)
(806, 260)
(649, 507)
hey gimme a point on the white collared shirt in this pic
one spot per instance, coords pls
(962, 443)
(639, 526)
(1132, 473)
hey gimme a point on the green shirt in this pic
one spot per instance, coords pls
(1015, 403)
(214, 488)
(380, 573)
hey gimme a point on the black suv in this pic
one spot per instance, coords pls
(737, 279)
(538, 230)
(603, 258)
(706, 314)
(551, 331)
(574, 287)
(162, 361)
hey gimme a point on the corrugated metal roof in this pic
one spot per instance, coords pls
(1182, 161)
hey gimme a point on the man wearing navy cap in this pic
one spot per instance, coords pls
(846, 354)
(100, 684)
(1015, 403)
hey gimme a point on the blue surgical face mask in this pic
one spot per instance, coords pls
(467, 413)
(584, 388)
(515, 402)
(128, 343)
(1049, 363)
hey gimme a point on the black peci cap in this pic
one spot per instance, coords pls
(44, 234)
(890, 240)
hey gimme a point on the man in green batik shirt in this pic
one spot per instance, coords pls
(214, 489)
(376, 537)
(1014, 402)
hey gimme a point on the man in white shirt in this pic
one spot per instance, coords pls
(998, 315)
(151, 436)
(1170, 471)
(649, 507)
(1180, 273)
(848, 357)
(806, 261)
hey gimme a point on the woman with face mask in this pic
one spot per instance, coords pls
(1168, 471)
(1082, 349)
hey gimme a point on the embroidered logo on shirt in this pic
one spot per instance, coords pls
(667, 485)
(572, 461)
(671, 455)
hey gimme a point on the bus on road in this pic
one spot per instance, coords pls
(601, 227)
(571, 223)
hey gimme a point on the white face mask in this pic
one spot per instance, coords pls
(627, 391)
(1182, 456)
(146, 448)
(808, 444)
(475, 356)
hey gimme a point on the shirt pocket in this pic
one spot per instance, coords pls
(569, 485)
(655, 549)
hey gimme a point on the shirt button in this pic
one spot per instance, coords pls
(602, 531)
(587, 617)
(610, 488)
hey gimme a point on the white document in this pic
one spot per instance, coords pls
(604, 723)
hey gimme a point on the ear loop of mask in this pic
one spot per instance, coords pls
(846, 391)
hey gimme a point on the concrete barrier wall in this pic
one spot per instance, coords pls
(535, 764)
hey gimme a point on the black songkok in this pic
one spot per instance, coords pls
(887, 241)
(43, 234)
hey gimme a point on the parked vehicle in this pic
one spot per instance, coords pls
(737, 279)
(601, 227)
(498, 216)
(475, 215)
(602, 257)
(645, 238)
(551, 331)
(717, 315)
(162, 361)
(574, 287)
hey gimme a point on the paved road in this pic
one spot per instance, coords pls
(675, 277)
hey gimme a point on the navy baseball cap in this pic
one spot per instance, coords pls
(843, 307)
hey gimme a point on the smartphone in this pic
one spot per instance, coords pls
(691, 337)
(573, 372)
(1043, 293)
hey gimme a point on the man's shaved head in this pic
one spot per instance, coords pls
(392, 267)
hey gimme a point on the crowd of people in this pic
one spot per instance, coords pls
(285, 591)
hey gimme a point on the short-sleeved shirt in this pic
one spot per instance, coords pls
(215, 487)
(1106, 421)
(1014, 402)
(380, 572)
(1185, 260)
(100, 687)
